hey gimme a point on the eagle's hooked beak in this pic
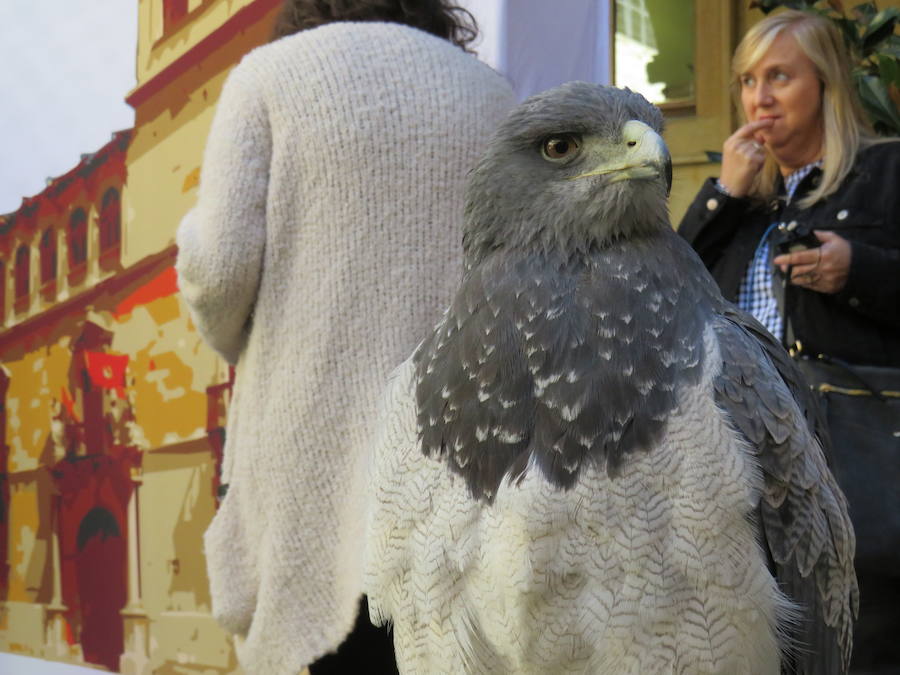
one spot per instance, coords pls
(646, 157)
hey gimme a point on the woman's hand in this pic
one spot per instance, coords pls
(742, 158)
(823, 269)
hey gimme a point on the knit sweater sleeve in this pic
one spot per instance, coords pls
(221, 241)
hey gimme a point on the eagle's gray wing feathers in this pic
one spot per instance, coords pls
(479, 414)
(803, 514)
(528, 368)
(790, 373)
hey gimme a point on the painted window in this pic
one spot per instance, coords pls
(173, 12)
(110, 230)
(48, 256)
(654, 49)
(77, 239)
(23, 271)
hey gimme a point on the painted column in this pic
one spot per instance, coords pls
(56, 644)
(136, 657)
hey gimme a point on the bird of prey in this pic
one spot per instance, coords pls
(594, 463)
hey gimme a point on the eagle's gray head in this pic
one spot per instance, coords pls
(574, 167)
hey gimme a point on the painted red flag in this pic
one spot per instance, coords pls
(107, 370)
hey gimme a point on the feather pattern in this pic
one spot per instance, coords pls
(528, 369)
(803, 513)
(655, 570)
(594, 464)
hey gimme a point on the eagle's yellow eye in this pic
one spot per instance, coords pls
(564, 146)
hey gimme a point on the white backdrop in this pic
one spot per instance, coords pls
(540, 44)
(67, 66)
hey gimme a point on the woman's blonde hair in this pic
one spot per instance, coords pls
(846, 129)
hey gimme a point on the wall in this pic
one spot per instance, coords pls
(114, 410)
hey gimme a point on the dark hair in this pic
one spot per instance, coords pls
(437, 17)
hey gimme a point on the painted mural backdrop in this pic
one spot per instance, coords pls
(111, 409)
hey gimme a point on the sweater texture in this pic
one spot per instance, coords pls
(325, 243)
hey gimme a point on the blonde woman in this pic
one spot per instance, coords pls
(802, 230)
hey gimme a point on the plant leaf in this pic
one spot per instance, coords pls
(825, 11)
(880, 27)
(890, 47)
(765, 6)
(888, 69)
(865, 12)
(894, 93)
(850, 29)
(878, 103)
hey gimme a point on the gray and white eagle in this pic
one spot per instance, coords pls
(595, 464)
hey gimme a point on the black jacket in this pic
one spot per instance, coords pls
(859, 324)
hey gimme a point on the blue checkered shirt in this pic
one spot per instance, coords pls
(755, 293)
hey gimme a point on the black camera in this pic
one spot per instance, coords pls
(792, 237)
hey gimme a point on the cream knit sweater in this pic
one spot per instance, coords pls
(324, 244)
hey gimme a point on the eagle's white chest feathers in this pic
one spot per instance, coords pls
(655, 571)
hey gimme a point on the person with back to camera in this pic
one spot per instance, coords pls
(802, 229)
(324, 242)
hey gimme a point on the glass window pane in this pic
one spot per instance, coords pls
(654, 48)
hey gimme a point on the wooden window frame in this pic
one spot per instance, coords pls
(693, 127)
(676, 107)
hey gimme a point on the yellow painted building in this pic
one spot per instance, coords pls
(112, 410)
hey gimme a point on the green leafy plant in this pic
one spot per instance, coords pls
(870, 33)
